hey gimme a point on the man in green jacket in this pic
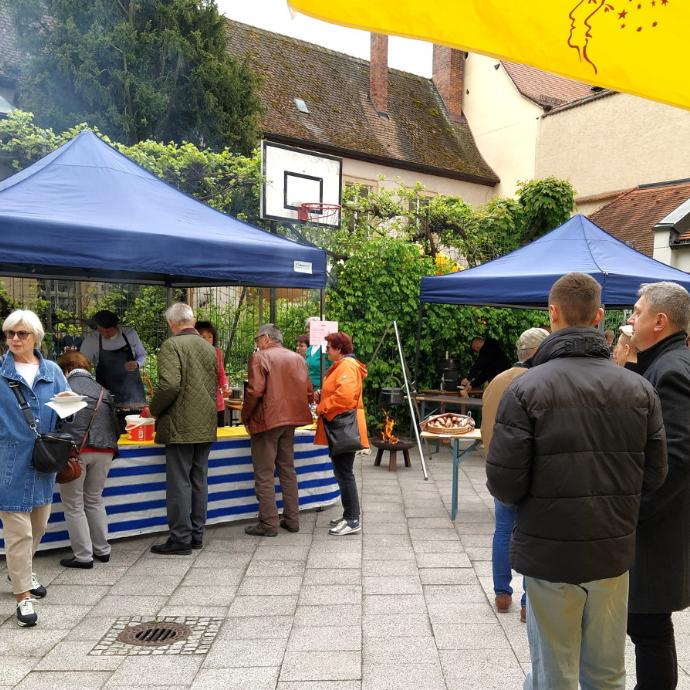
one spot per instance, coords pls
(184, 405)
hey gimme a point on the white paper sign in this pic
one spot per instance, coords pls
(318, 330)
(302, 267)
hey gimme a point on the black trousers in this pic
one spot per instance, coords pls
(655, 650)
(342, 469)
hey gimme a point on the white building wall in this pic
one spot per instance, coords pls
(504, 123)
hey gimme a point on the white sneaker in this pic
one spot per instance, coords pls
(37, 589)
(346, 527)
(337, 521)
(26, 615)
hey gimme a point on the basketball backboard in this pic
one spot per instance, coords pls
(292, 177)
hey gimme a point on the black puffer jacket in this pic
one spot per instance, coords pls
(660, 580)
(575, 440)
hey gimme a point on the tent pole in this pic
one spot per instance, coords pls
(417, 343)
(322, 316)
(413, 415)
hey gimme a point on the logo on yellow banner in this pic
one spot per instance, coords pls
(591, 20)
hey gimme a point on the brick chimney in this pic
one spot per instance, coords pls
(448, 75)
(378, 72)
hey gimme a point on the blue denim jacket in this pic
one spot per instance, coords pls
(21, 486)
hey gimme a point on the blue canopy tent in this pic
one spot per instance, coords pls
(86, 212)
(524, 277)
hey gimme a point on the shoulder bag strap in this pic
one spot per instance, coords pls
(93, 416)
(24, 406)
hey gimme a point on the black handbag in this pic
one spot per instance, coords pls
(52, 450)
(342, 433)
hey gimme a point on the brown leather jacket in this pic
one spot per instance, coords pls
(278, 392)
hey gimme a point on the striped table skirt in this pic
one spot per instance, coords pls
(134, 492)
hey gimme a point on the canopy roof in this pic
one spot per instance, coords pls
(87, 212)
(524, 277)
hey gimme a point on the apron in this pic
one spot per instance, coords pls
(125, 386)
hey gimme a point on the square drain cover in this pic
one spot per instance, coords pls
(143, 636)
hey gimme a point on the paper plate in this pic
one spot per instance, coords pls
(67, 408)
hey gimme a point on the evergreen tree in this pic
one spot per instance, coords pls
(136, 69)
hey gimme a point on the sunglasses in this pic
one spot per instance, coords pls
(22, 335)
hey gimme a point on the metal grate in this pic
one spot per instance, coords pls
(132, 635)
(154, 634)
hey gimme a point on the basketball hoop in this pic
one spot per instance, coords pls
(317, 212)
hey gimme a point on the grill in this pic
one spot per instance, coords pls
(154, 634)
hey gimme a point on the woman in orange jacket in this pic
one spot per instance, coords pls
(341, 391)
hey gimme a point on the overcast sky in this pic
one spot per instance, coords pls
(274, 15)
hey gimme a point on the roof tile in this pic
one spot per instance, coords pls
(631, 217)
(416, 134)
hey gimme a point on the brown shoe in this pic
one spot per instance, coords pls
(290, 528)
(259, 530)
(523, 615)
(503, 602)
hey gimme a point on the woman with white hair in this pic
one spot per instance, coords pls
(25, 493)
(625, 353)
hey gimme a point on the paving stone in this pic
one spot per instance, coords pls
(261, 568)
(136, 586)
(349, 544)
(147, 671)
(478, 668)
(281, 553)
(16, 642)
(389, 568)
(447, 576)
(203, 577)
(64, 680)
(236, 653)
(452, 595)
(430, 523)
(330, 665)
(335, 560)
(400, 650)
(217, 559)
(227, 545)
(320, 685)
(334, 576)
(465, 613)
(387, 528)
(471, 636)
(386, 540)
(95, 576)
(74, 656)
(388, 553)
(478, 553)
(323, 639)
(258, 678)
(263, 606)
(76, 594)
(14, 668)
(438, 547)
(193, 611)
(203, 596)
(52, 617)
(150, 569)
(332, 614)
(255, 628)
(265, 586)
(403, 677)
(314, 595)
(392, 585)
(443, 560)
(388, 604)
(115, 606)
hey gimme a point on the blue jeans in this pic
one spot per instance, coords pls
(500, 549)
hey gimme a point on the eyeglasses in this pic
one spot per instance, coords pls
(22, 335)
(258, 337)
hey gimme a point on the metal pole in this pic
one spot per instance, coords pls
(322, 312)
(415, 423)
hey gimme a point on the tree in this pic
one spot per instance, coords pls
(136, 69)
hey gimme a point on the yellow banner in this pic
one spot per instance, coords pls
(636, 46)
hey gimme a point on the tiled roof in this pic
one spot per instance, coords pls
(543, 88)
(631, 217)
(417, 134)
(9, 53)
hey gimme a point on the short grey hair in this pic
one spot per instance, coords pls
(180, 313)
(668, 298)
(272, 331)
(27, 318)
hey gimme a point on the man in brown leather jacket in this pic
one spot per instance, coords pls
(276, 401)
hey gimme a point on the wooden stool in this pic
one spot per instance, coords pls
(392, 449)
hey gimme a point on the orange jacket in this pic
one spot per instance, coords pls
(341, 390)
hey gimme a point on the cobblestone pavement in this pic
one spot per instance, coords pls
(406, 604)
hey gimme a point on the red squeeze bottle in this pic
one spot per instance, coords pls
(145, 412)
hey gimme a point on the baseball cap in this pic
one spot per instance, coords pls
(531, 338)
(627, 329)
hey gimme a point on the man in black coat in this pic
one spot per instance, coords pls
(491, 360)
(576, 438)
(660, 578)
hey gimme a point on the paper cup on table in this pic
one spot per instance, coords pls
(65, 408)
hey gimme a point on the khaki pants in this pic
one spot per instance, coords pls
(22, 533)
(270, 450)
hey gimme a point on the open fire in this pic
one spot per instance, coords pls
(387, 435)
